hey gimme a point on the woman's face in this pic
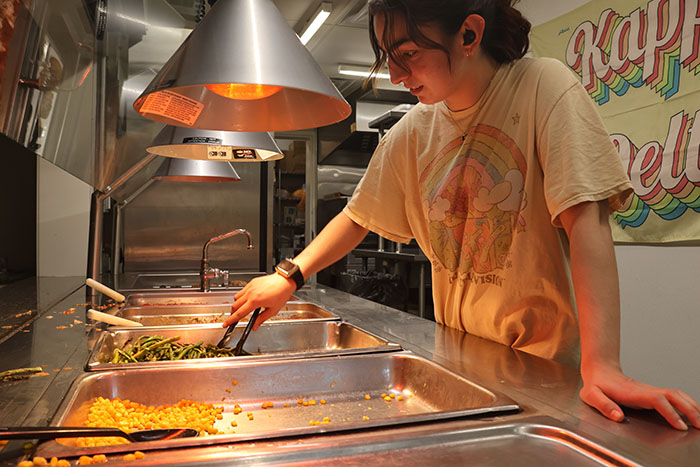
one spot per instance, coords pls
(429, 76)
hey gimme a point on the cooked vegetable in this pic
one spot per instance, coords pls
(155, 348)
(129, 416)
(19, 373)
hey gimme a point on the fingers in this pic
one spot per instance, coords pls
(669, 403)
(244, 308)
(594, 397)
(269, 293)
(661, 403)
(239, 294)
(684, 404)
(239, 298)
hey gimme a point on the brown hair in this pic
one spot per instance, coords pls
(505, 36)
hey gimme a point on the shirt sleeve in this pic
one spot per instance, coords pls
(579, 161)
(379, 201)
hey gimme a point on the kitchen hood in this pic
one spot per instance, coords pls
(353, 145)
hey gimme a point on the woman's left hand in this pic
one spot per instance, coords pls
(606, 387)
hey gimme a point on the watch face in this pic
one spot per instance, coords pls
(287, 267)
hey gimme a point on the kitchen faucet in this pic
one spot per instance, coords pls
(206, 273)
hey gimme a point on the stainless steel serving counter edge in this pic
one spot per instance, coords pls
(553, 426)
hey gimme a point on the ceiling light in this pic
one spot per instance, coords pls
(207, 145)
(317, 20)
(242, 69)
(360, 71)
(187, 170)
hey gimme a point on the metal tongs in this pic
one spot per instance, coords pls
(238, 350)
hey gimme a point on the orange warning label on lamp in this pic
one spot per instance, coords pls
(174, 106)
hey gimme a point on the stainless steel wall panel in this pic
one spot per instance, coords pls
(166, 227)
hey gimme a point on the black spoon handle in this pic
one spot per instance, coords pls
(51, 432)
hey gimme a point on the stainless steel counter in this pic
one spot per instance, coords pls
(554, 425)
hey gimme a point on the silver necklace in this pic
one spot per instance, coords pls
(464, 132)
(481, 100)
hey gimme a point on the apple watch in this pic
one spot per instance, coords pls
(290, 270)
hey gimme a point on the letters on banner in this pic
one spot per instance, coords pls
(640, 62)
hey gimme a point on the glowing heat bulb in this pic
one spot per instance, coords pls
(244, 91)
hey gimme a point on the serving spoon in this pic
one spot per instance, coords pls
(111, 319)
(51, 432)
(111, 293)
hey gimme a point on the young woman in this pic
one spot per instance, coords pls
(505, 176)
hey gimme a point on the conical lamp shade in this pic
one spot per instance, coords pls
(186, 170)
(242, 69)
(206, 145)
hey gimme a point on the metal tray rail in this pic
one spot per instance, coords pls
(201, 313)
(294, 339)
(429, 392)
(217, 297)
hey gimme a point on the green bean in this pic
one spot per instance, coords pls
(155, 345)
(183, 352)
(19, 373)
(126, 356)
(156, 348)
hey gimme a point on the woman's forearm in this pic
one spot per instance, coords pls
(596, 285)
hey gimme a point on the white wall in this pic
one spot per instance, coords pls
(63, 219)
(541, 11)
(660, 310)
(660, 316)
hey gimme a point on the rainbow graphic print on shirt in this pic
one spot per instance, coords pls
(473, 194)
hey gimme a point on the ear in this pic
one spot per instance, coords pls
(472, 32)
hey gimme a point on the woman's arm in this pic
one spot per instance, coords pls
(594, 274)
(271, 292)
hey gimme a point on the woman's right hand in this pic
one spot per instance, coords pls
(270, 293)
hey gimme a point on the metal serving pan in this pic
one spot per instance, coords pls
(272, 340)
(428, 392)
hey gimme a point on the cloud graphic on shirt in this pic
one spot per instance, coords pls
(437, 211)
(487, 198)
(516, 198)
(507, 195)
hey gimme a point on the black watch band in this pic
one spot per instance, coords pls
(298, 279)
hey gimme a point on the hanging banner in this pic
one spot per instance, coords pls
(640, 63)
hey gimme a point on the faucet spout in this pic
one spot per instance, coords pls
(206, 273)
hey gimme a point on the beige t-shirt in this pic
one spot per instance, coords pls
(481, 191)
